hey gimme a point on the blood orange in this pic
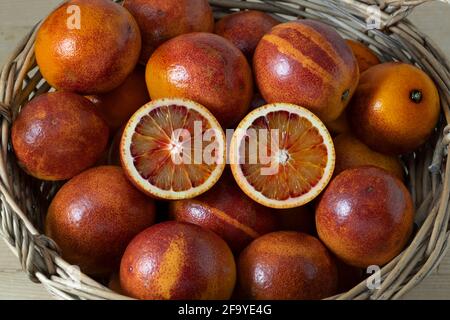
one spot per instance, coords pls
(173, 149)
(282, 155)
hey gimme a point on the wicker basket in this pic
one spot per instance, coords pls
(24, 200)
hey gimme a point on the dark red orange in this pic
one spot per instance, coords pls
(286, 265)
(95, 215)
(365, 216)
(395, 108)
(307, 63)
(227, 211)
(245, 29)
(58, 135)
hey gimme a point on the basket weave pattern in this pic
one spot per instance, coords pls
(24, 200)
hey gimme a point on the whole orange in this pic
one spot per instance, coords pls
(161, 20)
(245, 29)
(227, 211)
(395, 108)
(286, 265)
(95, 215)
(178, 261)
(352, 153)
(366, 58)
(206, 68)
(307, 63)
(365, 217)
(58, 135)
(88, 46)
(118, 105)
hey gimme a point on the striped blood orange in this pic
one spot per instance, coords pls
(227, 211)
(178, 261)
(309, 64)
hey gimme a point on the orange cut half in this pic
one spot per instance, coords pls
(282, 155)
(173, 149)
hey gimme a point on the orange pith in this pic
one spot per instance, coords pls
(163, 148)
(301, 159)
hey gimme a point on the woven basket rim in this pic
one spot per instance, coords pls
(429, 170)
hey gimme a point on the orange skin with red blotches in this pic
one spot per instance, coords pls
(178, 261)
(95, 215)
(118, 105)
(365, 216)
(227, 211)
(58, 135)
(366, 58)
(286, 265)
(92, 59)
(393, 122)
(206, 68)
(245, 29)
(162, 20)
(307, 63)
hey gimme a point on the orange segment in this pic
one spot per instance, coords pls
(173, 149)
(295, 164)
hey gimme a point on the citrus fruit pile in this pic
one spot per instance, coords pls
(239, 158)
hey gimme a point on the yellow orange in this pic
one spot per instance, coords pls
(118, 105)
(366, 58)
(90, 51)
(352, 153)
(58, 135)
(395, 108)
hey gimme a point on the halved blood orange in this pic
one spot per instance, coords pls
(295, 164)
(173, 149)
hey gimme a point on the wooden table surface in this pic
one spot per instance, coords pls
(18, 16)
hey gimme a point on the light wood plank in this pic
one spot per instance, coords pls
(14, 284)
(16, 19)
